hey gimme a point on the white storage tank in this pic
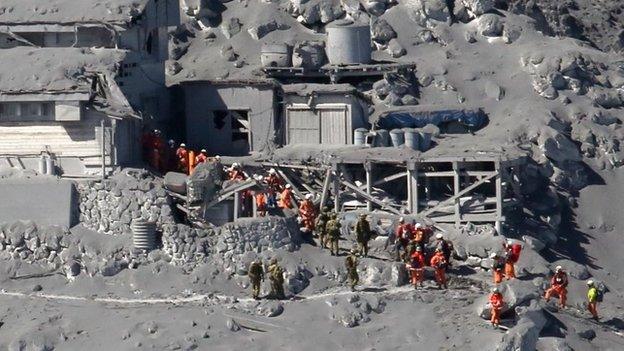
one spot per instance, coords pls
(348, 43)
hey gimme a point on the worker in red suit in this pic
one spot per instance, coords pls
(496, 305)
(261, 203)
(285, 201)
(202, 157)
(275, 184)
(183, 158)
(558, 286)
(417, 267)
(438, 262)
(236, 172)
(403, 235)
(307, 212)
(157, 160)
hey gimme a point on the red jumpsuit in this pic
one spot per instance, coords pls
(307, 212)
(559, 287)
(236, 174)
(438, 262)
(157, 153)
(417, 268)
(201, 158)
(261, 204)
(496, 301)
(182, 155)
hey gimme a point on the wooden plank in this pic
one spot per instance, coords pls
(489, 218)
(325, 191)
(304, 184)
(370, 198)
(229, 191)
(313, 168)
(461, 193)
(336, 188)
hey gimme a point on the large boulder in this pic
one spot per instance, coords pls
(481, 245)
(531, 263)
(525, 334)
(382, 32)
(422, 11)
(515, 293)
(558, 147)
(478, 7)
(490, 25)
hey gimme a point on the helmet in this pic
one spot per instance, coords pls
(493, 255)
(438, 250)
(418, 248)
(495, 289)
(203, 151)
(354, 251)
(401, 220)
(171, 141)
(272, 171)
(309, 196)
(288, 186)
(590, 282)
(439, 236)
(363, 215)
(509, 242)
(217, 158)
(235, 164)
(334, 215)
(156, 131)
(182, 145)
(418, 225)
(558, 269)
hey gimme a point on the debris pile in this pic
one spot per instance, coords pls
(185, 244)
(26, 241)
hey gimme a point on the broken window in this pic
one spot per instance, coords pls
(219, 119)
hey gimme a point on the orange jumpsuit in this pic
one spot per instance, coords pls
(286, 199)
(510, 271)
(559, 287)
(236, 174)
(417, 268)
(275, 184)
(261, 204)
(308, 214)
(156, 154)
(182, 155)
(438, 262)
(496, 301)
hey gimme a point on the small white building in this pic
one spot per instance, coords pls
(321, 114)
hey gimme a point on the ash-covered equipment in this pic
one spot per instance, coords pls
(275, 55)
(348, 43)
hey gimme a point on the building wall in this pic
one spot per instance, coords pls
(358, 117)
(203, 99)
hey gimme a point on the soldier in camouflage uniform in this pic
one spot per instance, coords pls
(333, 230)
(321, 226)
(276, 275)
(363, 234)
(256, 275)
(351, 262)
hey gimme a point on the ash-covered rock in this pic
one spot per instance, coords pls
(354, 310)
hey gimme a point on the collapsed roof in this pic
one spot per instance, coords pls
(55, 70)
(69, 11)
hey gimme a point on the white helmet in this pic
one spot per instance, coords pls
(218, 158)
(401, 219)
(182, 145)
(439, 236)
(590, 282)
(509, 242)
(309, 196)
(288, 186)
(235, 164)
(203, 151)
(558, 269)
(418, 225)
(493, 255)
(272, 171)
(495, 289)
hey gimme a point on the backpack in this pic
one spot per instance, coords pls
(515, 252)
(600, 291)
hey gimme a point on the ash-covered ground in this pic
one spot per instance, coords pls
(550, 77)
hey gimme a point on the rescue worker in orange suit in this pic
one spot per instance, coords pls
(182, 156)
(418, 236)
(307, 212)
(157, 153)
(202, 157)
(438, 262)
(261, 204)
(275, 185)
(403, 233)
(558, 286)
(446, 246)
(498, 267)
(236, 172)
(496, 304)
(417, 268)
(285, 201)
(512, 255)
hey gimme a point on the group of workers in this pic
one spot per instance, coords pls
(503, 268)
(276, 278)
(164, 156)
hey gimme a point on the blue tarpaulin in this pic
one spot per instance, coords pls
(472, 119)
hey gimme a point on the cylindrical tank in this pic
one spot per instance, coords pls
(50, 167)
(411, 138)
(398, 137)
(143, 234)
(425, 140)
(348, 43)
(42, 164)
(359, 136)
(383, 138)
(275, 55)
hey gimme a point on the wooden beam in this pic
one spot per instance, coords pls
(304, 184)
(489, 218)
(325, 191)
(461, 193)
(336, 188)
(357, 190)
(270, 164)
(294, 188)
(368, 167)
(231, 190)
